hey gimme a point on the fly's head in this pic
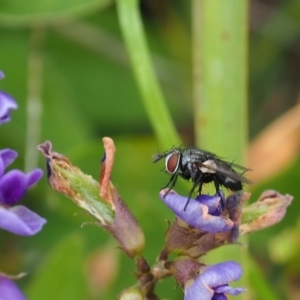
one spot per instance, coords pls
(172, 160)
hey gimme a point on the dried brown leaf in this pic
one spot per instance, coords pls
(276, 147)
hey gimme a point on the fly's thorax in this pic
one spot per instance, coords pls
(195, 156)
(186, 158)
(172, 161)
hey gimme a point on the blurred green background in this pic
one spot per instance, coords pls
(67, 66)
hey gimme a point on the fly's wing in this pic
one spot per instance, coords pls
(238, 167)
(223, 167)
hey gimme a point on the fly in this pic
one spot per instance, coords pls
(201, 167)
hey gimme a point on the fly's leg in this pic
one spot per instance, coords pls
(217, 186)
(171, 183)
(200, 187)
(197, 182)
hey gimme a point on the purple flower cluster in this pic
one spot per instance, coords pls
(205, 214)
(213, 282)
(13, 185)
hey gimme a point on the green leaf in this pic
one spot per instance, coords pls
(260, 285)
(64, 260)
(150, 90)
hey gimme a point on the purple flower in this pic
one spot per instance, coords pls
(8, 289)
(6, 104)
(212, 283)
(13, 186)
(202, 213)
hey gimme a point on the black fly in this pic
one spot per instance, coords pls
(201, 167)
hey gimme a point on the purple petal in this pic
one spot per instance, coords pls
(217, 296)
(13, 185)
(195, 214)
(226, 289)
(6, 104)
(1, 75)
(222, 273)
(33, 177)
(214, 276)
(214, 203)
(9, 290)
(7, 156)
(20, 220)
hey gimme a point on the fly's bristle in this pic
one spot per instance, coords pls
(157, 157)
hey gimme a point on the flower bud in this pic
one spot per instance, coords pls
(70, 181)
(132, 293)
(268, 210)
(125, 228)
(184, 268)
(101, 200)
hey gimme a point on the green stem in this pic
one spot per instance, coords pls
(220, 90)
(220, 76)
(34, 100)
(151, 93)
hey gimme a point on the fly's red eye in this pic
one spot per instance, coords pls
(172, 162)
